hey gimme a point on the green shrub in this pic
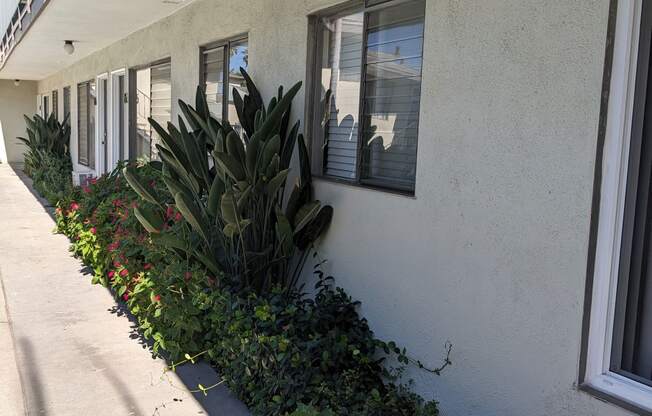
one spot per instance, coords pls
(47, 159)
(53, 179)
(277, 351)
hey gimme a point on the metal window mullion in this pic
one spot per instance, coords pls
(361, 105)
(225, 82)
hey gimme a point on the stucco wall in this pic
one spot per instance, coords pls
(491, 252)
(15, 101)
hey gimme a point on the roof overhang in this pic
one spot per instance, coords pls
(91, 24)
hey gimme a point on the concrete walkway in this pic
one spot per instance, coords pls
(66, 348)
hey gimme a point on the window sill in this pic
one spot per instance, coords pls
(389, 191)
(621, 391)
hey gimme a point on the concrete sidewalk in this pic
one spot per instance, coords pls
(65, 346)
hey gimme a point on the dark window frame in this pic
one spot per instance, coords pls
(314, 104)
(226, 44)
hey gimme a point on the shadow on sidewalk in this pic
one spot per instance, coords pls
(27, 181)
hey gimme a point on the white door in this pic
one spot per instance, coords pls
(102, 137)
(118, 126)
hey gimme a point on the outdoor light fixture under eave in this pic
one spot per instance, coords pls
(69, 47)
(17, 82)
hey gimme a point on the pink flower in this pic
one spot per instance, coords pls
(116, 263)
(147, 266)
(111, 274)
(169, 212)
(125, 296)
(93, 230)
(86, 189)
(74, 206)
(124, 272)
(93, 181)
(157, 298)
(177, 217)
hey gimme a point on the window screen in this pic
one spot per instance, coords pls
(371, 62)
(55, 104)
(86, 124)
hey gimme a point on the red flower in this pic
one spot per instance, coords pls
(93, 230)
(116, 263)
(125, 296)
(177, 217)
(169, 212)
(157, 298)
(86, 189)
(111, 274)
(147, 266)
(93, 181)
(124, 272)
(74, 206)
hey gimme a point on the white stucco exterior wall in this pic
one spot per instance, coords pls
(491, 252)
(15, 101)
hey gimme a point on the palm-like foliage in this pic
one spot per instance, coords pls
(45, 139)
(231, 190)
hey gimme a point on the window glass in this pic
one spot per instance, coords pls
(232, 55)
(153, 98)
(342, 75)
(631, 353)
(392, 96)
(238, 57)
(214, 80)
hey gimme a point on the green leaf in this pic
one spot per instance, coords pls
(150, 220)
(216, 192)
(230, 165)
(229, 208)
(138, 186)
(190, 212)
(275, 184)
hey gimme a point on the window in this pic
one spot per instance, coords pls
(86, 102)
(370, 60)
(66, 103)
(55, 104)
(220, 62)
(617, 349)
(151, 92)
(46, 107)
